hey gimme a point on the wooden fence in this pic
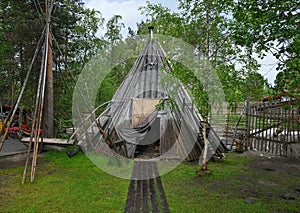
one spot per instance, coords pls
(272, 127)
(235, 126)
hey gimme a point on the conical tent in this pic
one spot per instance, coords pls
(151, 112)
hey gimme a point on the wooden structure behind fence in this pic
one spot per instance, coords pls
(235, 127)
(272, 127)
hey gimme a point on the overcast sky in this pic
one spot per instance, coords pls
(128, 9)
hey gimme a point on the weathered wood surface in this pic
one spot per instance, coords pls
(50, 141)
(272, 127)
(145, 192)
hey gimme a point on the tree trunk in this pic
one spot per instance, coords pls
(207, 47)
(204, 166)
(48, 110)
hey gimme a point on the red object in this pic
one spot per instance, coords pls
(13, 131)
(25, 128)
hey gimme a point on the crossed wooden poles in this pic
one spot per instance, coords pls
(45, 42)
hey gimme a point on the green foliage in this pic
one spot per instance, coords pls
(61, 125)
(108, 87)
(114, 28)
(19, 23)
(225, 33)
(272, 26)
(113, 79)
(165, 21)
(163, 103)
(256, 86)
(74, 29)
(5, 63)
(207, 26)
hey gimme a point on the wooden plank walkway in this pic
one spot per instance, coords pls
(145, 192)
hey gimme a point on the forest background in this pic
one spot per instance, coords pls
(232, 35)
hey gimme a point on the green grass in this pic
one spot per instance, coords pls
(75, 184)
(64, 185)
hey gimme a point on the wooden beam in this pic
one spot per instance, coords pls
(57, 141)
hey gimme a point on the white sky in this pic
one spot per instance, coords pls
(128, 9)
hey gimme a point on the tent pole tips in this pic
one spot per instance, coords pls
(151, 28)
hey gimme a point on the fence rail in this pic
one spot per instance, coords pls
(272, 127)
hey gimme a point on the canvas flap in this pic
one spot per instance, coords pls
(141, 109)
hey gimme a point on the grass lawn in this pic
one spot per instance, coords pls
(75, 184)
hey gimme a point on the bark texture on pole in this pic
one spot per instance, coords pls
(48, 124)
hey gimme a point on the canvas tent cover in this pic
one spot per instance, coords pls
(142, 112)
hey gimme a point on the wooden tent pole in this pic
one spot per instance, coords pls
(43, 74)
(16, 105)
(34, 125)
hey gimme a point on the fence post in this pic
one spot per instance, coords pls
(226, 127)
(248, 119)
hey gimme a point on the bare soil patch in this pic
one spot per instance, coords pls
(267, 162)
(13, 161)
(271, 177)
